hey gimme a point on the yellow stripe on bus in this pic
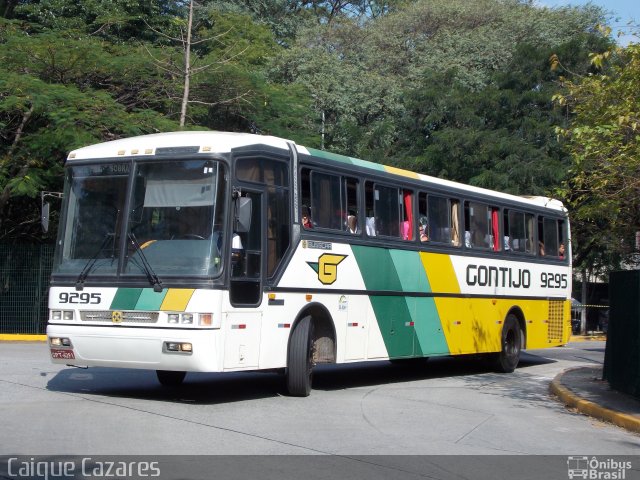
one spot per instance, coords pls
(177, 299)
(440, 272)
(400, 171)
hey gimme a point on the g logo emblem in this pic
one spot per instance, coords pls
(116, 317)
(327, 267)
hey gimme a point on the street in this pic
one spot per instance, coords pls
(446, 406)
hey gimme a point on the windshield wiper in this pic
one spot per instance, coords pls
(92, 261)
(151, 275)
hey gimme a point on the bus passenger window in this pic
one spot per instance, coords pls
(351, 207)
(370, 219)
(387, 203)
(477, 221)
(423, 221)
(407, 211)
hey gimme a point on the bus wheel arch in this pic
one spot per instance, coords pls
(312, 340)
(324, 332)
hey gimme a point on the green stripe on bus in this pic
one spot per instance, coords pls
(392, 312)
(394, 321)
(410, 271)
(363, 163)
(429, 328)
(330, 156)
(398, 270)
(150, 300)
(126, 299)
(377, 268)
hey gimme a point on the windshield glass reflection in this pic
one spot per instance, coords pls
(176, 219)
(89, 232)
(174, 224)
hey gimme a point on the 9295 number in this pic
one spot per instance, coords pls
(82, 298)
(553, 280)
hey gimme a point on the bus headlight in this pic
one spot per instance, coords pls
(173, 318)
(67, 314)
(178, 347)
(56, 315)
(60, 342)
(187, 318)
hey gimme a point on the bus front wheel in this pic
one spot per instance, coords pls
(507, 359)
(170, 378)
(299, 371)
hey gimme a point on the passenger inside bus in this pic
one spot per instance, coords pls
(371, 225)
(352, 224)
(306, 217)
(422, 226)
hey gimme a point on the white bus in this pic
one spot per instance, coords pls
(219, 252)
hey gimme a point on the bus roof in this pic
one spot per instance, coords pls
(207, 141)
(224, 142)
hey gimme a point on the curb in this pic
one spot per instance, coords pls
(22, 338)
(587, 338)
(592, 409)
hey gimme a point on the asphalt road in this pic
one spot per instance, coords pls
(446, 406)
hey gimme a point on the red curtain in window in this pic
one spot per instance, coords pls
(496, 230)
(409, 210)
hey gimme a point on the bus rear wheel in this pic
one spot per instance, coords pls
(299, 373)
(169, 378)
(507, 359)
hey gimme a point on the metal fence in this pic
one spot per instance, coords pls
(24, 283)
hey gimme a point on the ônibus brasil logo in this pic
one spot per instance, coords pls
(596, 469)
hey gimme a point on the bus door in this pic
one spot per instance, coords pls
(243, 321)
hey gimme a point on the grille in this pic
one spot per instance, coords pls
(127, 317)
(556, 320)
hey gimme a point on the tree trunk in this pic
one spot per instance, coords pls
(187, 68)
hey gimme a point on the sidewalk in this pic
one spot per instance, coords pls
(582, 388)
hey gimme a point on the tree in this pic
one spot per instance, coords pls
(500, 137)
(603, 186)
(48, 106)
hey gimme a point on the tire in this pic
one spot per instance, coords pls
(511, 343)
(299, 373)
(170, 378)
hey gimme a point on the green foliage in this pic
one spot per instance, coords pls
(452, 88)
(604, 179)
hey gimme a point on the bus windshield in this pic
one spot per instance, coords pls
(173, 226)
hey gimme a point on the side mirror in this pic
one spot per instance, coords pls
(46, 207)
(242, 219)
(45, 217)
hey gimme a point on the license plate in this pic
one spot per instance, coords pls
(62, 354)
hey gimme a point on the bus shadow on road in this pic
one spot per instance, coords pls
(198, 388)
(219, 388)
(337, 377)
